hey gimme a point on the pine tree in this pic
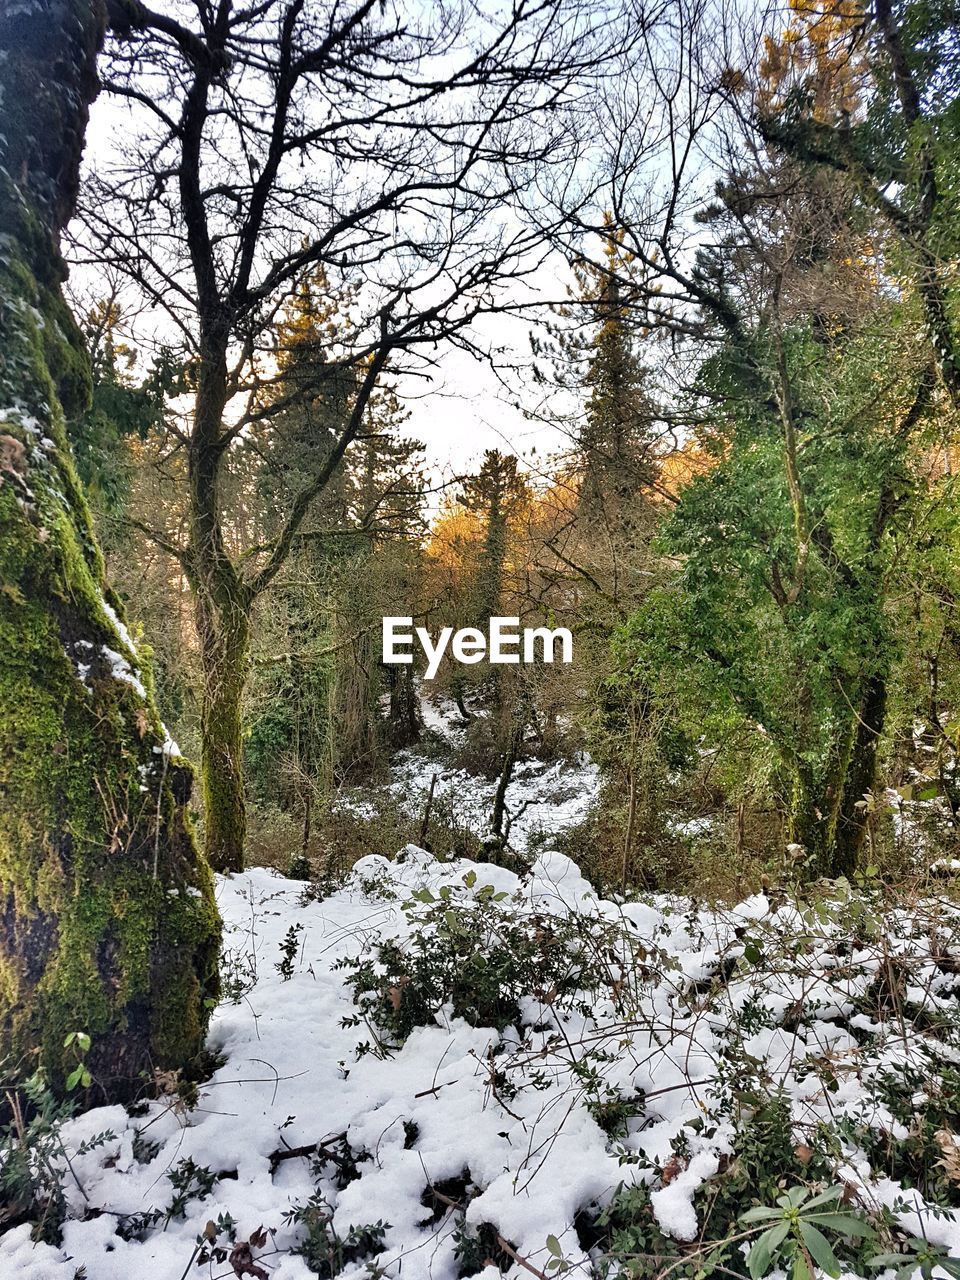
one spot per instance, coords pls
(495, 493)
(616, 441)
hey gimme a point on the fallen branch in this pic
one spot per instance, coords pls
(505, 1245)
(511, 1252)
(321, 1148)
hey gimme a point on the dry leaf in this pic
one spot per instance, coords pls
(950, 1161)
(671, 1169)
(241, 1259)
(395, 993)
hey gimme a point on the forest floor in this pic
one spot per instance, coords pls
(444, 1069)
(543, 799)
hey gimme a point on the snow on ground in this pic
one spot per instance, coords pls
(543, 799)
(674, 1008)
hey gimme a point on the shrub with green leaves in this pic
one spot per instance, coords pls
(917, 1255)
(33, 1159)
(323, 1249)
(478, 954)
(797, 1230)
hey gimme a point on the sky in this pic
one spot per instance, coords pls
(464, 408)
(469, 409)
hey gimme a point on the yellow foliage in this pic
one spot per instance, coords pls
(820, 53)
(679, 467)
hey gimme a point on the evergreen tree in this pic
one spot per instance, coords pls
(616, 442)
(495, 493)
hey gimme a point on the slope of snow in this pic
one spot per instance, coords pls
(543, 798)
(511, 1113)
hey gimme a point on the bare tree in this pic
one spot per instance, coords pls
(394, 147)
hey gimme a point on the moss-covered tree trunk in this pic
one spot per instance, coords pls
(828, 816)
(223, 617)
(854, 816)
(107, 917)
(814, 811)
(223, 602)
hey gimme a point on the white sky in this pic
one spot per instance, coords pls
(467, 408)
(464, 408)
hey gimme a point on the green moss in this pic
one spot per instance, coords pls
(107, 917)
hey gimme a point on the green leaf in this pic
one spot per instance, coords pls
(758, 1261)
(73, 1079)
(83, 1040)
(470, 879)
(819, 1247)
(762, 1214)
(832, 1193)
(760, 1258)
(800, 1270)
(553, 1244)
(844, 1223)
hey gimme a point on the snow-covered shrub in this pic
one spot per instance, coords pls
(597, 1088)
(477, 956)
(325, 1251)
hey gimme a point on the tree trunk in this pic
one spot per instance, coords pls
(107, 917)
(457, 690)
(861, 777)
(812, 824)
(404, 711)
(824, 817)
(224, 650)
(518, 726)
(223, 604)
(631, 823)
(500, 795)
